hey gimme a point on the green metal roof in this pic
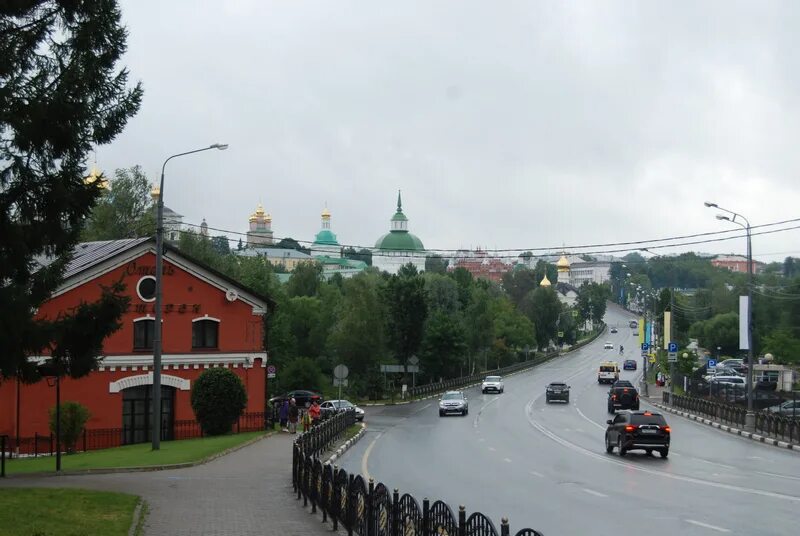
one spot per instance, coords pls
(399, 241)
(399, 216)
(326, 237)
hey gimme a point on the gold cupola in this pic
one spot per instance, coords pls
(563, 264)
(545, 282)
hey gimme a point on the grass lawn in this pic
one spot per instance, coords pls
(139, 455)
(352, 431)
(64, 512)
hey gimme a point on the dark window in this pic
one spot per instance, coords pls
(143, 334)
(205, 334)
(147, 288)
(648, 419)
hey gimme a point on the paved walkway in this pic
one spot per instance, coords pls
(246, 493)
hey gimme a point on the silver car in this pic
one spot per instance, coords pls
(493, 384)
(332, 407)
(453, 402)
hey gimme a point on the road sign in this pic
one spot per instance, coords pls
(672, 357)
(560, 334)
(652, 359)
(339, 383)
(672, 347)
(340, 372)
(413, 360)
(712, 363)
(271, 371)
(399, 368)
(645, 347)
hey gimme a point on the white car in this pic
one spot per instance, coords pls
(493, 384)
(331, 407)
(608, 345)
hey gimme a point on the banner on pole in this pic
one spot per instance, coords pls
(744, 340)
(667, 331)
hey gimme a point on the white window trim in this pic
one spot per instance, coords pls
(147, 379)
(137, 288)
(148, 317)
(217, 320)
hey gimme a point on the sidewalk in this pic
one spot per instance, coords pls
(246, 493)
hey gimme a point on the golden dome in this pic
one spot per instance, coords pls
(94, 176)
(563, 264)
(259, 213)
(155, 192)
(545, 282)
(326, 213)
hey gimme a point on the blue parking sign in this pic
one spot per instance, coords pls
(645, 347)
(712, 363)
(672, 347)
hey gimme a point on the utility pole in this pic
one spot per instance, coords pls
(671, 336)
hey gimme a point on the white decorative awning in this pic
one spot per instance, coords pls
(147, 379)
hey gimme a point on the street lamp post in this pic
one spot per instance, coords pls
(156, 416)
(750, 416)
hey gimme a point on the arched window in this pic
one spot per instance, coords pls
(143, 331)
(205, 333)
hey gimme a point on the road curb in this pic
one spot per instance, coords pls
(138, 518)
(347, 444)
(144, 468)
(735, 431)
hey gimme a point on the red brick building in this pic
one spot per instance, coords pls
(736, 263)
(481, 265)
(208, 321)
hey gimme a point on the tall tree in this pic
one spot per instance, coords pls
(441, 293)
(406, 307)
(542, 307)
(443, 347)
(305, 279)
(436, 264)
(62, 94)
(124, 209)
(220, 244)
(519, 282)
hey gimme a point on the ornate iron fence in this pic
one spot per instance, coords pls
(778, 426)
(718, 410)
(368, 509)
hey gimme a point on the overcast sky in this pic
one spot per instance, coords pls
(506, 124)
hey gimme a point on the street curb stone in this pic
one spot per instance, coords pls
(138, 514)
(735, 431)
(144, 468)
(347, 444)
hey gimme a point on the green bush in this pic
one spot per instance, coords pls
(218, 399)
(73, 418)
(300, 373)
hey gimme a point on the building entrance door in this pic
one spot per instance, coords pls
(137, 408)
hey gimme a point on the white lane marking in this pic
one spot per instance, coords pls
(492, 449)
(716, 463)
(480, 411)
(365, 458)
(706, 525)
(588, 419)
(426, 406)
(605, 458)
(767, 473)
(507, 460)
(537, 473)
(595, 493)
(481, 439)
(755, 458)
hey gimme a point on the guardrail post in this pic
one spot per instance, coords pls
(351, 510)
(371, 521)
(504, 528)
(462, 520)
(396, 528)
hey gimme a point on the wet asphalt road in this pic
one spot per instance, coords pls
(544, 465)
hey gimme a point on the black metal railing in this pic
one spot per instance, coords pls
(778, 426)
(456, 383)
(368, 509)
(710, 408)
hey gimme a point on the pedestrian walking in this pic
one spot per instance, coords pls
(292, 415)
(315, 413)
(283, 415)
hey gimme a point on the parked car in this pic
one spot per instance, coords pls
(332, 407)
(453, 402)
(301, 397)
(629, 364)
(557, 391)
(790, 408)
(730, 362)
(638, 430)
(493, 384)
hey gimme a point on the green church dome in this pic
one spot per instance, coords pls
(400, 241)
(326, 237)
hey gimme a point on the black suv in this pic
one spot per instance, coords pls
(638, 430)
(623, 395)
(557, 391)
(301, 397)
